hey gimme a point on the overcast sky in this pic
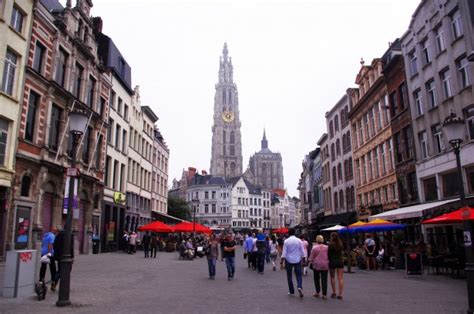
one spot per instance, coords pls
(293, 60)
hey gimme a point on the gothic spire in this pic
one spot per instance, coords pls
(225, 67)
(264, 140)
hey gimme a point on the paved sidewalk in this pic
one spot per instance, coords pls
(121, 283)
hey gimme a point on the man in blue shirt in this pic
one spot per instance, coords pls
(249, 249)
(47, 249)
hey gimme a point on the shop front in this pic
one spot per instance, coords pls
(113, 222)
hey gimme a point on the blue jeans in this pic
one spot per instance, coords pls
(211, 263)
(230, 263)
(289, 275)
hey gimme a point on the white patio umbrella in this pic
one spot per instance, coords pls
(333, 228)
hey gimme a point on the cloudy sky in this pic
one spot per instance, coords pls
(292, 59)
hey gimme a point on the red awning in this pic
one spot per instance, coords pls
(280, 230)
(456, 216)
(188, 227)
(156, 226)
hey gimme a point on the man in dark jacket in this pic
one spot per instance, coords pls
(146, 243)
(58, 247)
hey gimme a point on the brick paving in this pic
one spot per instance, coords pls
(121, 283)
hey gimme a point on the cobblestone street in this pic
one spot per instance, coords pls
(121, 283)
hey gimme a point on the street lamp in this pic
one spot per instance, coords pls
(454, 129)
(195, 203)
(77, 125)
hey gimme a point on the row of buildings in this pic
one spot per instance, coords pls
(56, 60)
(384, 150)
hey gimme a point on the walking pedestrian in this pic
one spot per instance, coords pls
(153, 245)
(47, 255)
(132, 243)
(229, 255)
(292, 256)
(305, 246)
(273, 251)
(146, 243)
(320, 264)
(267, 250)
(261, 246)
(249, 249)
(125, 240)
(58, 248)
(336, 264)
(212, 253)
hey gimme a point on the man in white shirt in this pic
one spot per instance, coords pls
(293, 254)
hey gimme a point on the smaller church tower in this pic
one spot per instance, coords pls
(266, 168)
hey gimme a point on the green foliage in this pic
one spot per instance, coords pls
(179, 208)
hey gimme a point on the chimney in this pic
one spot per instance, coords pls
(191, 172)
(98, 23)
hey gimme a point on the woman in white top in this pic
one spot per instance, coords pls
(273, 251)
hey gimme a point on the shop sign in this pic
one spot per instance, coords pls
(119, 198)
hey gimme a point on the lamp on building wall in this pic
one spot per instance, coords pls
(77, 125)
(454, 128)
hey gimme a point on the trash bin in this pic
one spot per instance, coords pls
(20, 270)
(95, 246)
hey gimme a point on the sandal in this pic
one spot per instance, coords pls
(316, 295)
(339, 297)
(333, 296)
(325, 298)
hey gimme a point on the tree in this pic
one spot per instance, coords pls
(179, 208)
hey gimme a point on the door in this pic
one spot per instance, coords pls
(47, 211)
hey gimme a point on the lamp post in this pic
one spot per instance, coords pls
(77, 124)
(195, 204)
(454, 129)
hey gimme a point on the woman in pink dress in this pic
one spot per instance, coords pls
(319, 260)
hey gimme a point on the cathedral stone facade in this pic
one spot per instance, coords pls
(226, 159)
(266, 168)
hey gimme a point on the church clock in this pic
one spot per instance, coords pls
(228, 116)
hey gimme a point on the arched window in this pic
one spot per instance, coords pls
(331, 129)
(232, 137)
(232, 150)
(224, 98)
(229, 97)
(338, 147)
(341, 199)
(333, 153)
(232, 168)
(348, 140)
(336, 123)
(223, 136)
(335, 202)
(25, 185)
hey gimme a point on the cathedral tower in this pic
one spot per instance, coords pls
(226, 159)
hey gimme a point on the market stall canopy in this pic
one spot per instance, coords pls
(456, 216)
(333, 228)
(280, 230)
(186, 226)
(415, 211)
(156, 226)
(353, 227)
